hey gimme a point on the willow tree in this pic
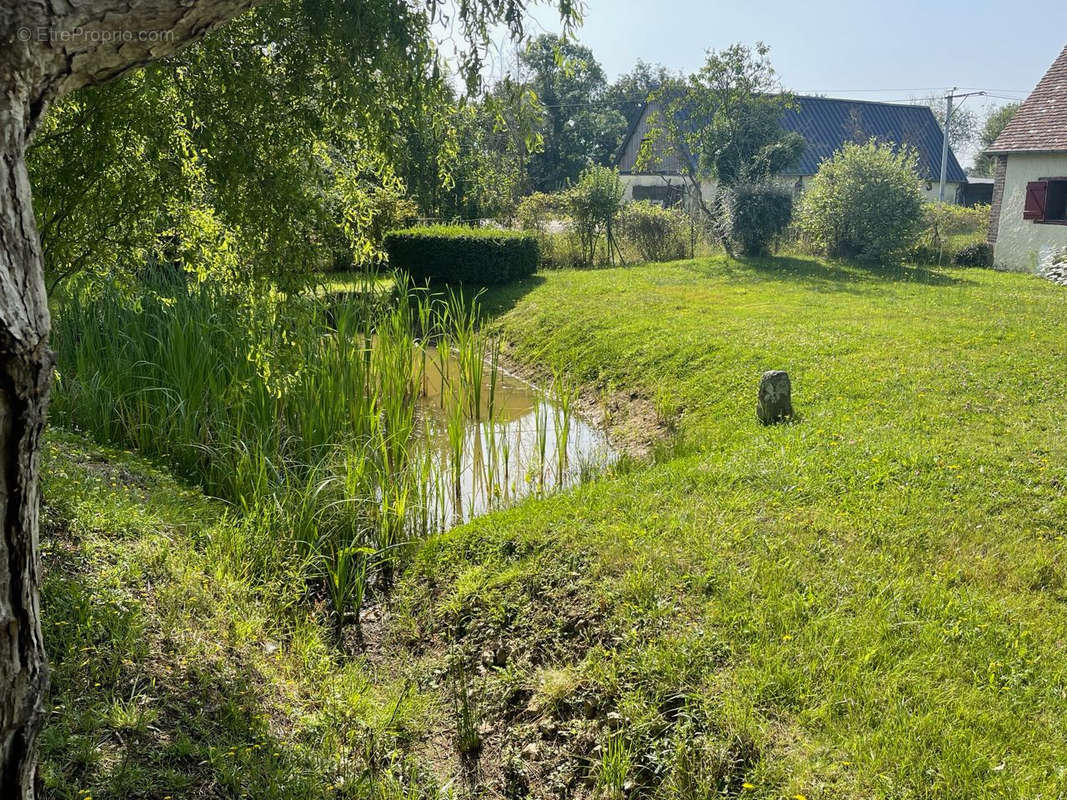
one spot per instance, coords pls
(48, 50)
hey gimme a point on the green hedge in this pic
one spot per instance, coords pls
(462, 255)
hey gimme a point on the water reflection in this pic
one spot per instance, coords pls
(521, 441)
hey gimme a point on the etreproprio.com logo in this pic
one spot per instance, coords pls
(90, 36)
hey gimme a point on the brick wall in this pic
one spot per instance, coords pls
(998, 198)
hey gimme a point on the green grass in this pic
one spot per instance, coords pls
(869, 602)
(171, 677)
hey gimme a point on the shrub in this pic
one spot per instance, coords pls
(979, 254)
(539, 210)
(656, 233)
(548, 218)
(948, 228)
(594, 203)
(757, 214)
(365, 216)
(462, 255)
(864, 203)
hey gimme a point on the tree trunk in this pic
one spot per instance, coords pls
(46, 50)
(25, 378)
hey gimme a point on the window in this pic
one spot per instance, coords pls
(1046, 200)
(663, 195)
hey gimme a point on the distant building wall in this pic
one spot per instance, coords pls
(1023, 244)
(974, 193)
(796, 182)
(656, 183)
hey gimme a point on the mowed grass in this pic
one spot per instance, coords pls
(869, 602)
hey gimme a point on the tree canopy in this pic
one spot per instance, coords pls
(579, 127)
(293, 112)
(995, 123)
(724, 121)
(962, 127)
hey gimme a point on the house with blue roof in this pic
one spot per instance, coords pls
(826, 123)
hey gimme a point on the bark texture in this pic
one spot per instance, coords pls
(48, 48)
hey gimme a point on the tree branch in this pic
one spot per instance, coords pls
(50, 53)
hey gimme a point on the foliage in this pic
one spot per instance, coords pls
(497, 135)
(462, 255)
(538, 210)
(548, 217)
(297, 113)
(964, 125)
(656, 233)
(629, 93)
(594, 202)
(724, 122)
(579, 128)
(946, 228)
(977, 254)
(465, 158)
(995, 123)
(297, 410)
(863, 203)
(212, 142)
(758, 214)
(104, 172)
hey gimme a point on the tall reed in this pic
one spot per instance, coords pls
(301, 409)
(303, 405)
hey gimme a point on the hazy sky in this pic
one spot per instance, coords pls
(889, 51)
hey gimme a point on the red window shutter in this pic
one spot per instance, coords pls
(1036, 192)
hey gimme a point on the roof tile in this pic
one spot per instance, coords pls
(1040, 124)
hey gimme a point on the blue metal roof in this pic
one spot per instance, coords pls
(826, 123)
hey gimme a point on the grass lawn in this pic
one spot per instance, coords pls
(869, 602)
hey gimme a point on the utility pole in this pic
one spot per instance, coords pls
(944, 139)
(944, 144)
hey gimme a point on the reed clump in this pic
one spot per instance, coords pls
(310, 413)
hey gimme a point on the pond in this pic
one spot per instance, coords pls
(521, 440)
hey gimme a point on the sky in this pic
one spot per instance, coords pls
(886, 51)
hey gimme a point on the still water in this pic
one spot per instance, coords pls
(523, 440)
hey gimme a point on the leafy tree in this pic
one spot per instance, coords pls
(188, 157)
(995, 123)
(724, 124)
(467, 159)
(360, 50)
(630, 91)
(864, 203)
(578, 128)
(963, 126)
(594, 203)
(757, 214)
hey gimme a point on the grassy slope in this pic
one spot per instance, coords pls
(869, 602)
(172, 678)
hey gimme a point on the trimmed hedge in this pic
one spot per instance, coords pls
(462, 255)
